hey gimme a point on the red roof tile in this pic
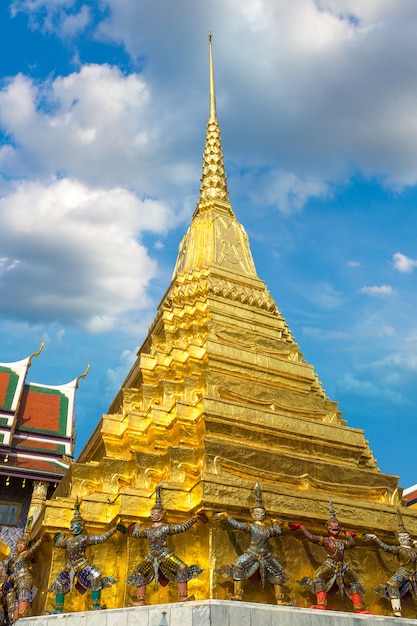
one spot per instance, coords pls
(4, 384)
(43, 410)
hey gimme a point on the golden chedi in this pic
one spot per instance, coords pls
(220, 397)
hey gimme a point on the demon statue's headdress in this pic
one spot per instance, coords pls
(258, 497)
(158, 502)
(77, 518)
(401, 526)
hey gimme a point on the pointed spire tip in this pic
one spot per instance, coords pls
(213, 181)
(213, 113)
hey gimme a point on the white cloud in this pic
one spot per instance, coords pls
(309, 88)
(284, 191)
(73, 252)
(397, 370)
(326, 335)
(403, 263)
(368, 389)
(7, 264)
(353, 263)
(404, 362)
(387, 331)
(70, 242)
(325, 296)
(66, 17)
(377, 290)
(94, 125)
(75, 23)
(311, 77)
(115, 375)
(365, 13)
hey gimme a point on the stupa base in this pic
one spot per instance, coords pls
(213, 613)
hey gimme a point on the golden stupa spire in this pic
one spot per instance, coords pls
(213, 181)
(213, 113)
(215, 238)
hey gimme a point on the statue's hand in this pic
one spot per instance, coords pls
(121, 528)
(131, 528)
(350, 533)
(278, 522)
(219, 517)
(370, 537)
(202, 517)
(296, 526)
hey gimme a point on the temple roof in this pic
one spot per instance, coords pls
(36, 423)
(12, 378)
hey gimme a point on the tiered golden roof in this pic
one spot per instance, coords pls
(220, 396)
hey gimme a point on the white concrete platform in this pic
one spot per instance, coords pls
(214, 613)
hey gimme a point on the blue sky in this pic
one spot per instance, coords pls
(103, 108)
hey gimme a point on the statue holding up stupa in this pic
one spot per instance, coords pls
(333, 570)
(18, 586)
(257, 561)
(78, 567)
(404, 578)
(161, 564)
(3, 591)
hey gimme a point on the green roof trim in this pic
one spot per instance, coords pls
(11, 387)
